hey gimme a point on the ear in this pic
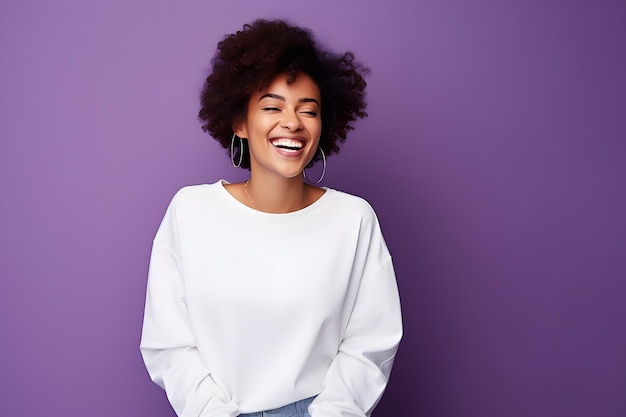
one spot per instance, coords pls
(240, 129)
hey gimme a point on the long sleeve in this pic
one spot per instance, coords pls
(168, 344)
(359, 373)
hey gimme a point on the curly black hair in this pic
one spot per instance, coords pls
(248, 60)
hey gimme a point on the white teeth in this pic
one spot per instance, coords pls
(287, 143)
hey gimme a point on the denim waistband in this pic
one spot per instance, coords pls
(294, 409)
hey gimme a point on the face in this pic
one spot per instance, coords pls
(283, 126)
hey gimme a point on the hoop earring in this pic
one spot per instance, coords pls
(323, 170)
(232, 151)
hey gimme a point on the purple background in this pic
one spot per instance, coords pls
(494, 155)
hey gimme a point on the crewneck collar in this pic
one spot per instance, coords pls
(271, 217)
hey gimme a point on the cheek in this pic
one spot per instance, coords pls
(316, 129)
(258, 131)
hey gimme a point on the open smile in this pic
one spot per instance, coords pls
(288, 145)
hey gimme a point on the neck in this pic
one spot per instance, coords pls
(276, 194)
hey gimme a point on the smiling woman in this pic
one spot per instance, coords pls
(273, 294)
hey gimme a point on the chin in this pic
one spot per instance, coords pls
(292, 174)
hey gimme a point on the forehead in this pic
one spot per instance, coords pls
(302, 86)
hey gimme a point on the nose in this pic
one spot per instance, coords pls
(291, 121)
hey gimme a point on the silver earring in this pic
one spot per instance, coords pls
(323, 170)
(232, 151)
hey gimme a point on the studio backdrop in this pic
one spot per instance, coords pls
(494, 154)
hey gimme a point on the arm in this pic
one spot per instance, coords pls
(358, 374)
(168, 344)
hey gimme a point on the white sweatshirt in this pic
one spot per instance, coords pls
(248, 311)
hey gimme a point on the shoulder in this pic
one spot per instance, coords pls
(351, 204)
(194, 194)
(189, 206)
(196, 200)
(357, 212)
(350, 201)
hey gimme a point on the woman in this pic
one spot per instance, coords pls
(273, 294)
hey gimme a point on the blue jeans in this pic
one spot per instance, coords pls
(297, 409)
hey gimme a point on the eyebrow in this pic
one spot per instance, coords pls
(277, 97)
